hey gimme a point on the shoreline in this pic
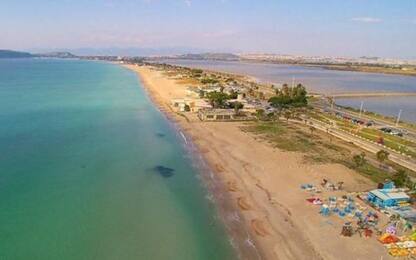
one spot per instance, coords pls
(260, 184)
(242, 240)
(335, 67)
(236, 222)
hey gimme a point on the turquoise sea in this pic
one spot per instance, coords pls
(90, 169)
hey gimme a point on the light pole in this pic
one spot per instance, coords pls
(398, 117)
(361, 108)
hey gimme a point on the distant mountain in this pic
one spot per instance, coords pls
(57, 54)
(209, 56)
(14, 54)
(19, 54)
(120, 51)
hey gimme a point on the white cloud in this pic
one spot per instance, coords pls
(366, 19)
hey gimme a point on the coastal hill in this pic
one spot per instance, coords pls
(210, 56)
(62, 55)
(5, 54)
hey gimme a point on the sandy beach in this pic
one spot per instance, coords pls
(263, 183)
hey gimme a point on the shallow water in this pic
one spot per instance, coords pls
(90, 169)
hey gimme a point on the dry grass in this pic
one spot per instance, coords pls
(317, 147)
(188, 81)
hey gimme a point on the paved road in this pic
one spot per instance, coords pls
(364, 144)
(372, 94)
(411, 134)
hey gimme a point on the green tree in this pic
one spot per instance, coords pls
(290, 97)
(280, 101)
(260, 113)
(401, 179)
(237, 106)
(382, 156)
(299, 98)
(359, 159)
(217, 99)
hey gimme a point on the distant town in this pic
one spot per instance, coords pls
(265, 57)
(364, 64)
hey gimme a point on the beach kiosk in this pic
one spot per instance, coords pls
(387, 198)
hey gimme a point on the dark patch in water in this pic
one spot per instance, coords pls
(160, 135)
(165, 172)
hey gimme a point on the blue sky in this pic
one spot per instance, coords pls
(384, 28)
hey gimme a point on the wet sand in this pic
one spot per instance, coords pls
(260, 184)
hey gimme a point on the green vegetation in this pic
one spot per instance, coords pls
(370, 171)
(320, 117)
(381, 117)
(209, 81)
(217, 99)
(289, 97)
(401, 179)
(260, 114)
(196, 71)
(318, 149)
(297, 138)
(382, 156)
(359, 159)
(236, 106)
(374, 68)
(394, 142)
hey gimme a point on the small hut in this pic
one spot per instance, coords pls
(383, 198)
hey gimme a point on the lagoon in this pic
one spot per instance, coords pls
(326, 81)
